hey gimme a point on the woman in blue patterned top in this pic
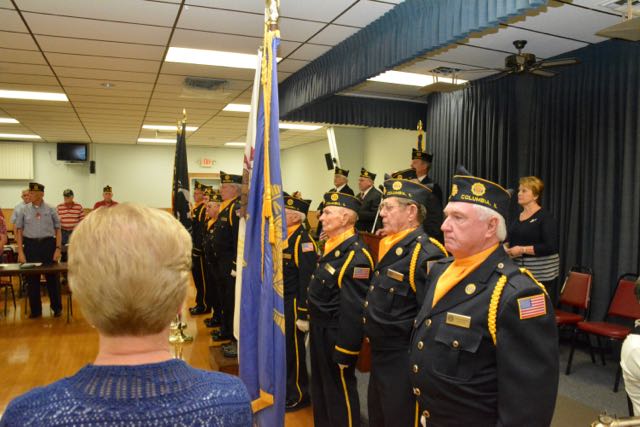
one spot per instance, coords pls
(129, 267)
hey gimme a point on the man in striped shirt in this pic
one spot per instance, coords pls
(70, 213)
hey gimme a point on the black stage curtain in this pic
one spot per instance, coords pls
(579, 132)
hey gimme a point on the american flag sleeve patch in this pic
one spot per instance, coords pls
(307, 247)
(533, 306)
(361, 272)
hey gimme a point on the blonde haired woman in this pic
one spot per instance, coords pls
(129, 267)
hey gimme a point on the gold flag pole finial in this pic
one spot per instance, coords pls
(272, 13)
(179, 127)
(419, 125)
(184, 115)
(420, 133)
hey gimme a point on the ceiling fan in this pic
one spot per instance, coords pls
(523, 62)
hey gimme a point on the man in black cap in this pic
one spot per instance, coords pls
(336, 295)
(397, 289)
(299, 260)
(341, 183)
(485, 340)
(198, 224)
(212, 296)
(370, 198)
(107, 198)
(225, 246)
(38, 230)
(421, 163)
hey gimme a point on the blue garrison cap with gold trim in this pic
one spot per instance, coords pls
(342, 172)
(405, 174)
(471, 189)
(342, 200)
(227, 178)
(34, 186)
(296, 204)
(406, 189)
(366, 174)
(215, 197)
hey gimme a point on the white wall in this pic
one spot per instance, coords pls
(136, 172)
(388, 150)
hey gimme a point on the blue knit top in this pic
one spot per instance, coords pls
(169, 393)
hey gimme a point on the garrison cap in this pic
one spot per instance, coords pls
(366, 174)
(296, 204)
(405, 174)
(406, 189)
(67, 193)
(227, 178)
(208, 190)
(342, 200)
(34, 186)
(198, 186)
(471, 189)
(342, 172)
(107, 189)
(215, 197)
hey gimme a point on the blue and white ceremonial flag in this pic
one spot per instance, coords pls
(262, 338)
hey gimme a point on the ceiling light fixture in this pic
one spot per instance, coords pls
(38, 96)
(18, 136)
(212, 57)
(297, 126)
(413, 79)
(107, 85)
(235, 144)
(7, 120)
(238, 108)
(168, 128)
(157, 140)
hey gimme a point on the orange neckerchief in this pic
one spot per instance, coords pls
(225, 203)
(334, 242)
(292, 229)
(458, 270)
(211, 222)
(194, 206)
(389, 241)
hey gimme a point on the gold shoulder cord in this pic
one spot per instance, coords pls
(528, 273)
(231, 213)
(344, 267)
(368, 255)
(295, 250)
(412, 267)
(439, 245)
(493, 306)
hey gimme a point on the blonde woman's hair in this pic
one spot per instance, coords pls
(129, 267)
(535, 184)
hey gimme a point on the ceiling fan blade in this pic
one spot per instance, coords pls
(557, 62)
(501, 75)
(541, 73)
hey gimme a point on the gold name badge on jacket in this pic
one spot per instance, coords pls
(330, 269)
(458, 320)
(395, 275)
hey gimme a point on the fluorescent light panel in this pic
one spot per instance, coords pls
(8, 120)
(157, 140)
(18, 136)
(235, 144)
(38, 96)
(239, 108)
(212, 57)
(412, 79)
(168, 128)
(297, 126)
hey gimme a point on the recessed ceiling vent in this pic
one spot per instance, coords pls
(204, 88)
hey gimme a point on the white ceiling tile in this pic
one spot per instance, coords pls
(43, 70)
(23, 56)
(222, 21)
(89, 84)
(17, 41)
(101, 62)
(291, 65)
(333, 34)
(470, 56)
(196, 70)
(105, 75)
(309, 52)
(96, 30)
(255, 6)
(6, 4)
(136, 11)
(100, 48)
(11, 21)
(363, 13)
(299, 31)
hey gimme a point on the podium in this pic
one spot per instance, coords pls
(364, 358)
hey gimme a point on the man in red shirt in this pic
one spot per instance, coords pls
(107, 198)
(70, 213)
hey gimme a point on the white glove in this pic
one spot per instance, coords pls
(303, 325)
(233, 273)
(341, 366)
(423, 421)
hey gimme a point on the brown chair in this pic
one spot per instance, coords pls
(575, 293)
(624, 305)
(7, 285)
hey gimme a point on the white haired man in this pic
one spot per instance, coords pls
(485, 339)
(336, 296)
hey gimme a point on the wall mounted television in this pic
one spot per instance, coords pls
(72, 152)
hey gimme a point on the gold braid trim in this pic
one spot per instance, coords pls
(412, 266)
(439, 245)
(493, 306)
(368, 255)
(295, 250)
(344, 267)
(528, 273)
